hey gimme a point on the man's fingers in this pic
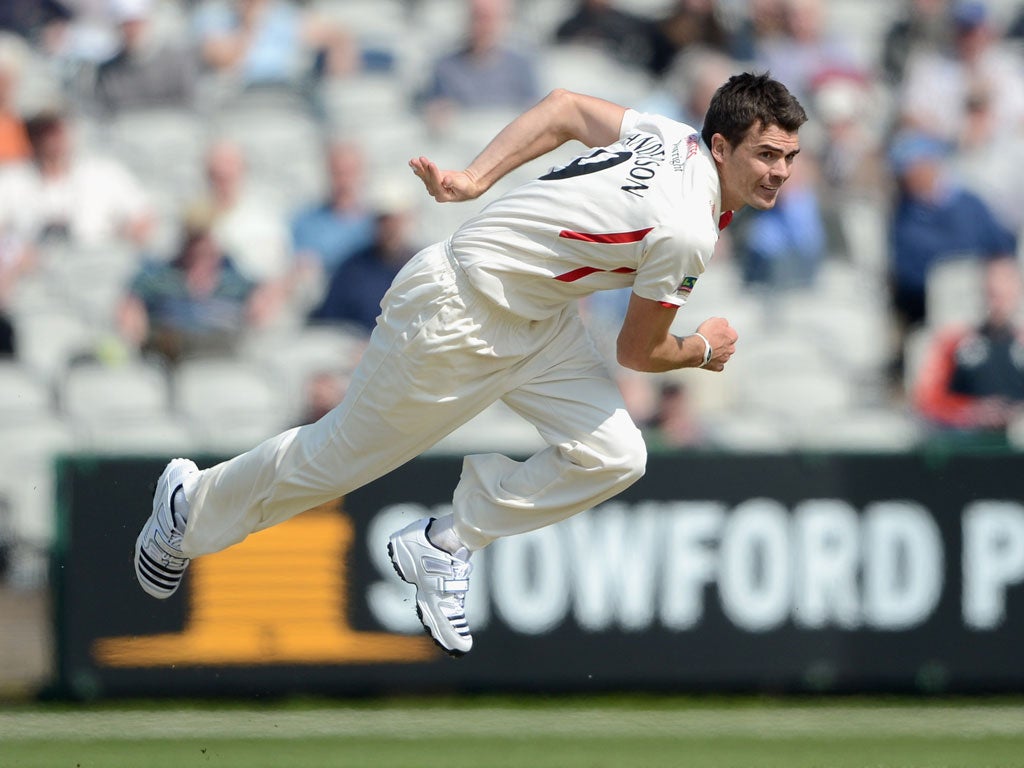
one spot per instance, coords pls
(427, 172)
(443, 186)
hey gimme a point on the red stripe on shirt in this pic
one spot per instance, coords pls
(614, 238)
(574, 275)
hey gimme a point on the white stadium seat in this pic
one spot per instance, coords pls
(24, 397)
(230, 406)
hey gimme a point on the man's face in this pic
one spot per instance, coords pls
(753, 171)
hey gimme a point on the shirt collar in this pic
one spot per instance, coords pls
(722, 218)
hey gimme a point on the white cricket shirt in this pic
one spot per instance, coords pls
(643, 212)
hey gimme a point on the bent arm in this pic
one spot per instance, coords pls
(559, 117)
(646, 344)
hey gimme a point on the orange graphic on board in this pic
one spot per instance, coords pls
(280, 597)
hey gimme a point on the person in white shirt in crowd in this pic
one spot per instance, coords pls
(938, 86)
(84, 200)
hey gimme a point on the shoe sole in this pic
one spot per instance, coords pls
(453, 652)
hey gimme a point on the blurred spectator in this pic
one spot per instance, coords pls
(628, 38)
(924, 26)
(852, 167)
(13, 136)
(360, 282)
(485, 73)
(689, 24)
(37, 21)
(939, 86)
(1015, 29)
(973, 378)
(934, 218)
(73, 36)
(688, 86)
(196, 304)
(784, 246)
(15, 261)
(85, 200)
(851, 142)
(763, 24)
(675, 423)
(271, 43)
(806, 50)
(246, 225)
(16, 256)
(989, 159)
(144, 72)
(327, 233)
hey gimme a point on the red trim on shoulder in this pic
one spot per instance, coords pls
(668, 305)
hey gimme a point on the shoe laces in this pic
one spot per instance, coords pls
(174, 542)
(456, 598)
(168, 539)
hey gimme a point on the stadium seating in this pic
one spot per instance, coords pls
(27, 492)
(953, 293)
(107, 404)
(497, 425)
(291, 357)
(24, 397)
(48, 339)
(229, 405)
(862, 430)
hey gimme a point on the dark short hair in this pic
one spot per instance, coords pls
(746, 100)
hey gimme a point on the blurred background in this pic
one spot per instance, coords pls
(202, 203)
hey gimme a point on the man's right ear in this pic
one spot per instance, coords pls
(718, 147)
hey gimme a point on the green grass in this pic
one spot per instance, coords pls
(539, 733)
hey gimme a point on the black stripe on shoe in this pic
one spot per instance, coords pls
(156, 576)
(158, 566)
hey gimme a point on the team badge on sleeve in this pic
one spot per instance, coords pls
(686, 287)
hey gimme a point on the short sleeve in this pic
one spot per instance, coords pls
(629, 121)
(672, 264)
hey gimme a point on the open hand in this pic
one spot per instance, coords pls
(445, 186)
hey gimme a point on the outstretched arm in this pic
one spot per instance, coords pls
(559, 117)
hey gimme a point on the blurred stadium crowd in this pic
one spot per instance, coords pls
(202, 202)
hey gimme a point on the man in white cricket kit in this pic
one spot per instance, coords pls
(491, 314)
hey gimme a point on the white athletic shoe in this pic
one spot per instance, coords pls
(159, 562)
(441, 580)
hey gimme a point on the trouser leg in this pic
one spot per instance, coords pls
(421, 376)
(595, 451)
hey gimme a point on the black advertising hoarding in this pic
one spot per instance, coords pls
(714, 572)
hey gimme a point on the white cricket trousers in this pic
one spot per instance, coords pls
(440, 354)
